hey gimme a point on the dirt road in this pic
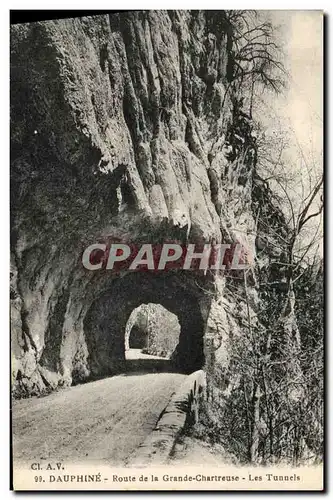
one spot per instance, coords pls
(105, 420)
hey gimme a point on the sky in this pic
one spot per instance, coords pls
(299, 108)
(302, 103)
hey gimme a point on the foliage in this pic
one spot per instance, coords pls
(267, 407)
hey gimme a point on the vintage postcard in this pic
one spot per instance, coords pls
(166, 279)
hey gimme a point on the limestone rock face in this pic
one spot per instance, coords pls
(153, 329)
(118, 126)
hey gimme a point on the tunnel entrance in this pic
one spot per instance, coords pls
(110, 336)
(137, 335)
(152, 330)
(151, 338)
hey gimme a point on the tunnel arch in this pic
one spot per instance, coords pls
(105, 321)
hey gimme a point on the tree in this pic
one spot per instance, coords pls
(255, 57)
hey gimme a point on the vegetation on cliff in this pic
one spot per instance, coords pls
(267, 405)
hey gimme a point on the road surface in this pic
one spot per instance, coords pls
(102, 421)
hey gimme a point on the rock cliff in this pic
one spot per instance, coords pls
(122, 126)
